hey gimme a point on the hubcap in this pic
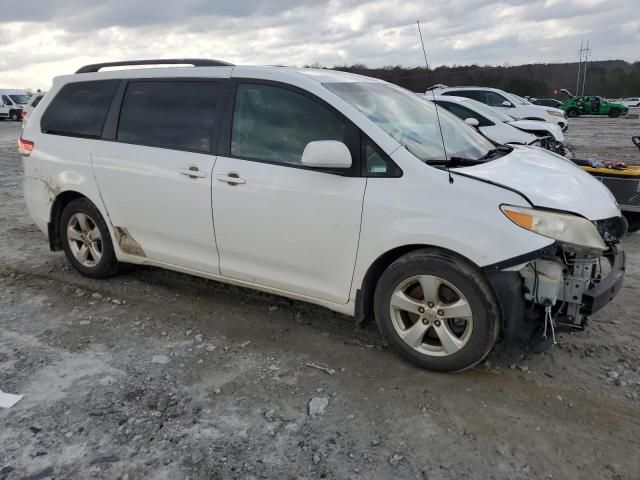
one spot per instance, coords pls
(431, 315)
(84, 239)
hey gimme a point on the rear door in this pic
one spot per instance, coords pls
(155, 172)
(279, 224)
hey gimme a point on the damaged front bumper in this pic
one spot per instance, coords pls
(560, 287)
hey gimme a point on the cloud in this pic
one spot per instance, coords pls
(44, 38)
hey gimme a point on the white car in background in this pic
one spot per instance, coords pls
(501, 128)
(513, 105)
(631, 102)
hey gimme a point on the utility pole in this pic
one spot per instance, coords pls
(579, 64)
(586, 61)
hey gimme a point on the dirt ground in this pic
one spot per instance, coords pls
(154, 374)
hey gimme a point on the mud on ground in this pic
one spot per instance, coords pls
(154, 374)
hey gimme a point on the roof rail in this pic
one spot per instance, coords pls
(196, 62)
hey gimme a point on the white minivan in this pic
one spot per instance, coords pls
(332, 188)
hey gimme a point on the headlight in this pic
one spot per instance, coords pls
(571, 230)
(555, 114)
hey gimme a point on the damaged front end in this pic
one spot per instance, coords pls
(559, 289)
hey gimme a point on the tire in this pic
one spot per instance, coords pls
(81, 220)
(614, 113)
(14, 116)
(573, 113)
(447, 343)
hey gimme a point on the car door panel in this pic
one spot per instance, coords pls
(164, 211)
(288, 228)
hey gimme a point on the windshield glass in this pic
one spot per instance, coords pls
(520, 100)
(412, 121)
(20, 99)
(485, 110)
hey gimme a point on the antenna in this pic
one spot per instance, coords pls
(433, 95)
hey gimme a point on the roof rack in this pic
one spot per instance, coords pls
(196, 62)
(436, 86)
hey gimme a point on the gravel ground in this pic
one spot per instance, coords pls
(604, 138)
(154, 374)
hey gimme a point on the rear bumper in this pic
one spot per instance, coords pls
(604, 292)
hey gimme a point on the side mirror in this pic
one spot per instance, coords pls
(326, 154)
(507, 104)
(472, 121)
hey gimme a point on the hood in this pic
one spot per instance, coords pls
(536, 126)
(549, 181)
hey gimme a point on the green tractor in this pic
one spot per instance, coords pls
(592, 105)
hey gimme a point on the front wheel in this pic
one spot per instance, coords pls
(14, 116)
(437, 311)
(614, 113)
(86, 240)
(573, 113)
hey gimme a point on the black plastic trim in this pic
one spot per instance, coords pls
(196, 62)
(524, 258)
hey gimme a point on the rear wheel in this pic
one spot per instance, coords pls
(573, 113)
(613, 113)
(86, 239)
(437, 311)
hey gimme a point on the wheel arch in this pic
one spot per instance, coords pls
(61, 201)
(365, 292)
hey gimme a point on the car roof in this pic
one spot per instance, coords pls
(472, 88)
(291, 75)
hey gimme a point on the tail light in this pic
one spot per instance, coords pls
(24, 147)
(23, 114)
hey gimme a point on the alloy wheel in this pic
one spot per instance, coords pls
(431, 315)
(85, 239)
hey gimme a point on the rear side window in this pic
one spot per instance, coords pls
(171, 114)
(79, 109)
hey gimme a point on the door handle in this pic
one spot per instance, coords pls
(232, 178)
(193, 172)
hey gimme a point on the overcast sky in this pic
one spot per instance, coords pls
(44, 38)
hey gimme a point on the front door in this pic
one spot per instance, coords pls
(277, 223)
(155, 177)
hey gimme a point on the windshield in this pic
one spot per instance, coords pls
(485, 110)
(518, 99)
(19, 99)
(412, 121)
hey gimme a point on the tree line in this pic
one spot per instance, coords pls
(609, 78)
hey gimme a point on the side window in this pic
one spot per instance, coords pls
(494, 99)
(171, 114)
(6, 100)
(79, 109)
(375, 162)
(275, 124)
(463, 113)
(36, 101)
